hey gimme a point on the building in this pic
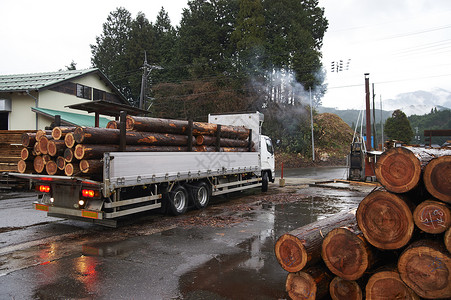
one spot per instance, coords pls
(31, 101)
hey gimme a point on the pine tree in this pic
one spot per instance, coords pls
(397, 127)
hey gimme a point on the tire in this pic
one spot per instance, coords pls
(200, 195)
(265, 182)
(178, 200)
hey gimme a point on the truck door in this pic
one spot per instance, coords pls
(267, 155)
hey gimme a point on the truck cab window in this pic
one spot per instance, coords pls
(269, 146)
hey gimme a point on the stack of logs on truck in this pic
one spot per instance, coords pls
(395, 245)
(78, 151)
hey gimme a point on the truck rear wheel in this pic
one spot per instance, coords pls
(200, 195)
(178, 200)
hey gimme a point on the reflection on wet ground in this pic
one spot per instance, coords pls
(223, 252)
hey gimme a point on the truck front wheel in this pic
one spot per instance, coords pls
(178, 200)
(265, 182)
(201, 195)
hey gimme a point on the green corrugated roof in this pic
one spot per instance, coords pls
(72, 118)
(37, 81)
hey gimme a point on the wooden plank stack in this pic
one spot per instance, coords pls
(396, 245)
(78, 151)
(10, 147)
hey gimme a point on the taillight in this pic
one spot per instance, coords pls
(88, 193)
(44, 188)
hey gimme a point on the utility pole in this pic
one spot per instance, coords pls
(311, 122)
(368, 114)
(143, 82)
(382, 126)
(374, 121)
(146, 74)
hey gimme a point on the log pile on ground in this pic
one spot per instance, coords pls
(78, 151)
(396, 245)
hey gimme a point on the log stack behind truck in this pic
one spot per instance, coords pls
(102, 174)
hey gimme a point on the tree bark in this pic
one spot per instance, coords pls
(437, 176)
(399, 169)
(60, 132)
(112, 125)
(56, 148)
(386, 219)
(223, 142)
(69, 140)
(346, 253)
(181, 127)
(302, 247)
(40, 133)
(342, 289)
(310, 284)
(91, 135)
(388, 285)
(91, 166)
(425, 267)
(432, 216)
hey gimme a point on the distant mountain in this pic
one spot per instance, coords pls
(419, 102)
(413, 103)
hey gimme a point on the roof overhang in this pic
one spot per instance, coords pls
(107, 108)
(72, 119)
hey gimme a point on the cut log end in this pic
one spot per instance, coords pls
(342, 289)
(426, 268)
(312, 283)
(388, 285)
(69, 140)
(291, 253)
(345, 254)
(24, 166)
(386, 220)
(398, 170)
(51, 168)
(432, 217)
(437, 174)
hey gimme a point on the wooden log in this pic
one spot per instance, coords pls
(60, 132)
(25, 166)
(40, 133)
(223, 142)
(399, 169)
(91, 166)
(28, 139)
(69, 140)
(312, 283)
(388, 285)
(425, 267)
(43, 144)
(112, 125)
(386, 219)
(51, 167)
(342, 289)
(92, 135)
(147, 124)
(39, 162)
(68, 155)
(301, 247)
(437, 174)
(26, 154)
(72, 169)
(60, 163)
(55, 148)
(36, 150)
(346, 253)
(432, 216)
(447, 240)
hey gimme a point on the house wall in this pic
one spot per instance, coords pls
(22, 117)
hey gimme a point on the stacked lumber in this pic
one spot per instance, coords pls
(78, 151)
(395, 245)
(10, 148)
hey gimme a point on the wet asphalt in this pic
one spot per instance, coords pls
(225, 251)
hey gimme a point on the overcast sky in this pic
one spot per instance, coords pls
(405, 45)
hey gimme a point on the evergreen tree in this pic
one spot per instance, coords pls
(109, 52)
(397, 127)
